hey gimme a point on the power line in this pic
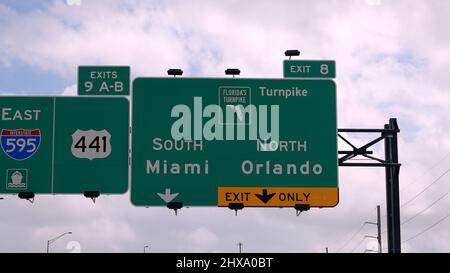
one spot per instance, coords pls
(351, 238)
(426, 188)
(422, 211)
(359, 230)
(404, 204)
(427, 229)
(378, 237)
(360, 242)
(427, 171)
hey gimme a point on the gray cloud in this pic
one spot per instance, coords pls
(391, 61)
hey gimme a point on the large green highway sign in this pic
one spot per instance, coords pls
(212, 142)
(104, 80)
(63, 144)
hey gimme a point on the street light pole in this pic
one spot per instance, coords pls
(240, 247)
(54, 239)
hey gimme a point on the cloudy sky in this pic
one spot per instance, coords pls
(392, 61)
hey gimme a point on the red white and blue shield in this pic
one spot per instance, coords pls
(20, 144)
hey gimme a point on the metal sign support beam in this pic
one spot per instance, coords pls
(392, 166)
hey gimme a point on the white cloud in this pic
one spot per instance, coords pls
(391, 62)
(70, 90)
(202, 237)
(63, 38)
(73, 2)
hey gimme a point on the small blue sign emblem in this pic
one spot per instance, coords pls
(20, 144)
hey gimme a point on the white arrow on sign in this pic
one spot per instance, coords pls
(167, 197)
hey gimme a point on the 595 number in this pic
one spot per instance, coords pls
(13, 143)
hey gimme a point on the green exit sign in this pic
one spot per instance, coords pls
(309, 69)
(104, 80)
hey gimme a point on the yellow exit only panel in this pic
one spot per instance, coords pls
(277, 197)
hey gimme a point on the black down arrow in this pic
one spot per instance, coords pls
(264, 196)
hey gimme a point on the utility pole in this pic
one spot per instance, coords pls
(380, 249)
(378, 224)
(240, 247)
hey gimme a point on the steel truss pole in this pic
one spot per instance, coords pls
(392, 167)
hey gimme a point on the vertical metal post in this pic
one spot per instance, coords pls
(240, 247)
(395, 188)
(380, 249)
(387, 154)
(392, 188)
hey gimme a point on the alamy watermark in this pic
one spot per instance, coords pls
(250, 122)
